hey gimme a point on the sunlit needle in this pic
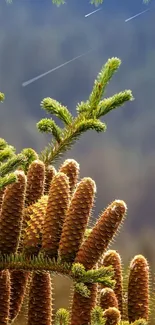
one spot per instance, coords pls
(26, 83)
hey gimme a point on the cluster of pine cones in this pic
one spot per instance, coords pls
(46, 213)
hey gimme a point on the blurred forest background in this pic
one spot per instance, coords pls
(36, 36)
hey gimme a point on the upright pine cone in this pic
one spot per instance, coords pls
(12, 215)
(108, 298)
(112, 258)
(58, 202)
(112, 316)
(71, 168)
(82, 306)
(50, 172)
(18, 281)
(34, 189)
(4, 297)
(1, 197)
(102, 233)
(76, 219)
(40, 299)
(138, 289)
(33, 231)
(35, 182)
(10, 227)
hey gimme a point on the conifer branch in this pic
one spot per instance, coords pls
(30, 155)
(6, 180)
(101, 82)
(49, 126)
(21, 262)
(69, 136)
(88, 116)
(108, 104)
(62, 317)
(58, 2)
(2, 97)
(12, 164)
(82, 107)
(60, 111)
(92, 276)
(82, 289)
(40, 263)
(4, 145)
(9, 162)
(5, 154)
(140, 321)
(96, 2)
(98, 319)
(97, 316)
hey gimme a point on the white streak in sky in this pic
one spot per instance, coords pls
(26, 83)
(140, 13)
(93, 12)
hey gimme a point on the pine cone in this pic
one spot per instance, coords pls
(12, 215)
(40, 299)
(108, 298)
(33, 232)
(102, 233)
(58, 201)
(112, 316)
(4, 296)
(71, 168)
(138, 289)
(82, 306)
(76, 219)
(35, 182)
(112, 258)
(50, 172)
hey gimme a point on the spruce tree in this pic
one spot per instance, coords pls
(44, 227)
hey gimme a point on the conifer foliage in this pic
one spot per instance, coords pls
(10, 161)
(89, 114)
(44, 227)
